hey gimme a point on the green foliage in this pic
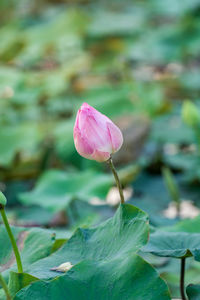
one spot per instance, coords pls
(193, 292)
(104, 255)
(56, 189)
(34, 244)
(23, 138)
(128, 59)
(6, 247)
(187, 225)
(17, 281)
(125, 277)
(105, 258)
(179, 240)
(170, 129)
(190, 114)
(123, 234)
(174, 244)
(168, 267)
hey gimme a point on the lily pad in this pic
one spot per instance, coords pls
(174, 244)
(193, 292)
(126, 277)
(123, 234)
(56, 189)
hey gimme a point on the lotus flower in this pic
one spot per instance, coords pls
(96, 137)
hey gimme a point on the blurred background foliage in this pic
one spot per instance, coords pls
(135, 61)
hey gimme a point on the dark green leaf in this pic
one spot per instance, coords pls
(174, 244)
(193, 292)
(123, 234)
(126, 277)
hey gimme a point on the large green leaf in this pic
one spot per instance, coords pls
(179, 240)
(126, 277)
(123, 234)
(193, 292)
(174, 244)
(170, 268)
(56, 189)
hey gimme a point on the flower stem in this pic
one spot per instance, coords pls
(5, 287)
(12, 239)
(111, 165)
(182, 279)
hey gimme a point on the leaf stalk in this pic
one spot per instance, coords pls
(12, 239)
(182, 279)
(111, 165)
(5, 287)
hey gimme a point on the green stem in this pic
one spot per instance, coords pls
(5, 287)
(182, 279)
(111, 165)
(12, 239)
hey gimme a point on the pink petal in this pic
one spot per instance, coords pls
(100, 156)
(115, 136)
(86, 105)
(81, 144)
(96, 134)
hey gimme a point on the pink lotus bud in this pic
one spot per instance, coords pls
(96, 137)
